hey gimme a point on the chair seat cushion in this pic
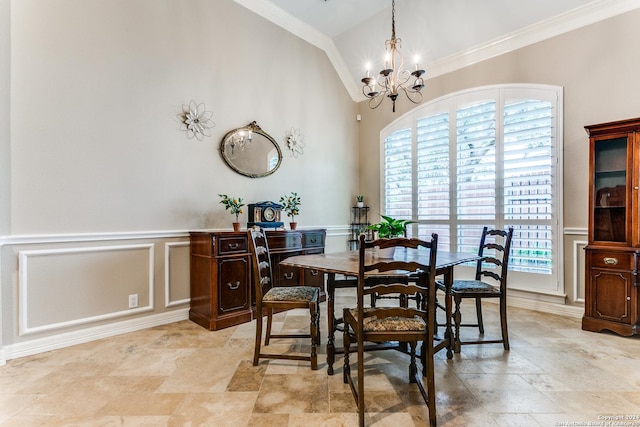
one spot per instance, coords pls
(473, 286)
(291, 293)
(390, 324)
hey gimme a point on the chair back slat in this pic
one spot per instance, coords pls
(495, 264)
(263, 279)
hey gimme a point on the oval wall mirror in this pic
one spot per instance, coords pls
(250, 151)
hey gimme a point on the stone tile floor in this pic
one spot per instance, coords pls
(183, 375)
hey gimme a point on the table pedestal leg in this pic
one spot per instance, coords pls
(331, 348)
(448, 334)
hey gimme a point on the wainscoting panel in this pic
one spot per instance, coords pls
(176, 273)
(71, 286)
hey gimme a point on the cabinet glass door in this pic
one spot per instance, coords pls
(610, 178)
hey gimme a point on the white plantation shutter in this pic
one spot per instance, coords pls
(528, 179)
(476, 161)
(398, 174)
(483, 157)
(433, 175)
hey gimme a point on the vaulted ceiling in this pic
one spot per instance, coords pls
(443, 34)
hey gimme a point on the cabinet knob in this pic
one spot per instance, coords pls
(610, 260)
(628, 298)
(314, 272)
(233, 287)
(233, 245)
(635, 188)
(288, 276)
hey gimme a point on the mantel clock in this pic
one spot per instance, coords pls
(265, 215)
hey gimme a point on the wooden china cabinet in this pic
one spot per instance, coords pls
(613, 252)
(221, 272)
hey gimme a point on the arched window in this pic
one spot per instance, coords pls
(485, 156)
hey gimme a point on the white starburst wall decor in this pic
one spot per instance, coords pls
(196, 120)
(295, 142)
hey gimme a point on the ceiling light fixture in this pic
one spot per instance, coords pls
(393, 78)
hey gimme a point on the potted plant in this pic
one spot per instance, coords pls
(387, 228)
(360, 201)
(291, 205)
(390, 227)
(235, 206)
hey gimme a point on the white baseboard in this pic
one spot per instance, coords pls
(40, 345)
(546, 307)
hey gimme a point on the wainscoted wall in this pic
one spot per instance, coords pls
(91, 283)
(576, 239)
(73, 289)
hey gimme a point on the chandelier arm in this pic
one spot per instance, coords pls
(414, 96)
(376, 101)
(403, 77)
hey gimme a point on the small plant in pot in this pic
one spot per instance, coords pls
(235, 206)
(291, 205)
(360, 201)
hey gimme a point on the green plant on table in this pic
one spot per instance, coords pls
(390, 227)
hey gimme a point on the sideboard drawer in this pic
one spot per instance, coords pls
(617, 260)
(284, 240)
(232, 245)
(313, 239)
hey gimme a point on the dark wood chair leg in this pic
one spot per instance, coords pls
(361, 382)
(269, 318)
(256, 351)
(413, 367)
(318, 335)
(346, 343)
(431, 391)
(457, 318)
(313, 328)
(479, 315)
(503, 322)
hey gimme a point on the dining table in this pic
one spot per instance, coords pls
(341, 270)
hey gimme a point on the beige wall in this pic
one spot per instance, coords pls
(96, 90)
(598, 68)
(104, 185)
(5, 150)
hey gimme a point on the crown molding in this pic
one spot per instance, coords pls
(582, 16)
(588, 14)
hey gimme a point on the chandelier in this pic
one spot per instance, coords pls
(393, 78)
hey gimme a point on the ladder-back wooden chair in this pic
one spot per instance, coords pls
(402, 324)
(269, 297)
(490, 282)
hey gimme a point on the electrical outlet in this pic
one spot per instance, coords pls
(133, 301)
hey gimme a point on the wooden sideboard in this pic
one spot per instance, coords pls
(221, 272)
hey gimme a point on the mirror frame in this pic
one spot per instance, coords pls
(253, 127)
